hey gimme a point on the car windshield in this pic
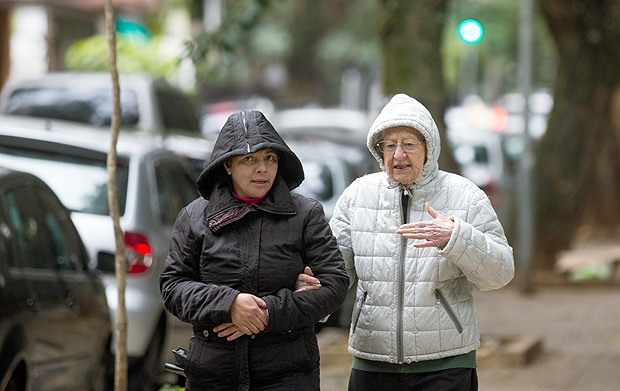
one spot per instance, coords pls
(79, 182)
(76, 103)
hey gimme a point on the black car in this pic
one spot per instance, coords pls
(55, 328)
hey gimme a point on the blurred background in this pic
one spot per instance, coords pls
(525, 96)
(525, 93)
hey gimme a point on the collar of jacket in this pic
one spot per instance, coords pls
(418, 183)
(220, 211)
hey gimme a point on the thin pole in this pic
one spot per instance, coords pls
(526, 208)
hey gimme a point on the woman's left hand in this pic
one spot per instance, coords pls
(306, 281)
(230, 331)
(432, 233)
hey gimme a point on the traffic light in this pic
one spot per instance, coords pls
(470, 31)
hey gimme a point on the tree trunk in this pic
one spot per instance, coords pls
(310, 21)
(120, 325)
(578, 159)
(411, 34)
(307, 31)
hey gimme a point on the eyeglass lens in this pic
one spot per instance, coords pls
(406, 145)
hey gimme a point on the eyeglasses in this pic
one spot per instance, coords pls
(406, 145)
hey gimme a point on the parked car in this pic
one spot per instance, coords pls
(215, 114)
(148, 105)
(55, 328)
(153, 185)
(480, 159)
(476, 148)
(342, 132)
(327, 175)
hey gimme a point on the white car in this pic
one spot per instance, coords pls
(153, 185)
(341, 132)
(326, 174)
(148, 106)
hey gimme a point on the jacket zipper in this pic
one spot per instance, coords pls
(359, 311)
(401, 278)
(444, 303)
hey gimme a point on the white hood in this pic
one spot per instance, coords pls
(403, 110)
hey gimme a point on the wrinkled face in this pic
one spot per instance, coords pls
(404, 160)
(253, 174)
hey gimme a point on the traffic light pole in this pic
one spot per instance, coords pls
(471, 32)
(526, 213)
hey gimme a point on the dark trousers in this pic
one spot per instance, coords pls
(457, 379)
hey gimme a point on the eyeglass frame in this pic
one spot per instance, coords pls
(416, 144)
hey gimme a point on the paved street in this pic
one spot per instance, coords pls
(579, 327)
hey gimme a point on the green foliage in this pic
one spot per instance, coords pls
(218, 54)
(133, 56)
(255, 33)
(592, 271)
(354, 42)
(168, 387)
(498, 51)
(340, 49)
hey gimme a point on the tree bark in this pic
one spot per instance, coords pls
(578, 160)
(120, 324)
(310, 21)
(411, 34)
(307, 31)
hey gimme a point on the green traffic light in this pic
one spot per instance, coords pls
(470, 31)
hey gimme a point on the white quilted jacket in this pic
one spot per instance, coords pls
(416, 304)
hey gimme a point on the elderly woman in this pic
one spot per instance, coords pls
(417, 240)
(235, 258)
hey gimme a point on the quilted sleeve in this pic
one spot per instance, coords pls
(478, 246)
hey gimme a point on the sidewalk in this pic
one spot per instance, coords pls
(579, 327)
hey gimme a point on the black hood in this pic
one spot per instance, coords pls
(247, 132)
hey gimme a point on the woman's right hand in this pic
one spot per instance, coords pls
(249, 313)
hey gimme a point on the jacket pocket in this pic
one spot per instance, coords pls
(287, 353)
(441, 299)
(211, 362)
(359, 311)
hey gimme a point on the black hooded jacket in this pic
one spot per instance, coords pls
(221, 247)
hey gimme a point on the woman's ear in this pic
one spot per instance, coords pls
(227, 167)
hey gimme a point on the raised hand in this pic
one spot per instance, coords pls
(432, 233)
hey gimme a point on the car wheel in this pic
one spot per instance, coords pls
(145, 376)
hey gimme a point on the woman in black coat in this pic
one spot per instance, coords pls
(235, 257)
